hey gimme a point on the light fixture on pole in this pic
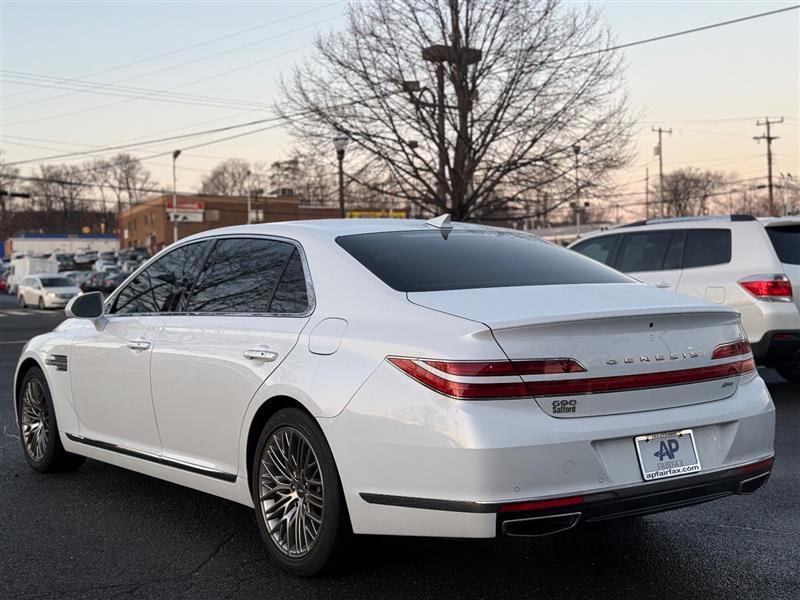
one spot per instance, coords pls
(340, 143)
(175, 156)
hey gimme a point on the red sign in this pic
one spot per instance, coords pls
(187, 206)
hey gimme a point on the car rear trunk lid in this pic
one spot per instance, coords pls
(641, 348)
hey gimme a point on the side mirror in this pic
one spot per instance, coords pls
(86, 306)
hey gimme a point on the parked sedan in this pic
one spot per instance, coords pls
(46, 291)
(400, 378)
(77, 277)
(96, 282)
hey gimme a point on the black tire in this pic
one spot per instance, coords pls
(790, 372)
(22, 303)
(54, 457)
(334, 531)
(41, 303)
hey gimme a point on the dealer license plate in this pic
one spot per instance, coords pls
(668, 454)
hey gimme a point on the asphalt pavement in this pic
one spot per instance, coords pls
(103, 532)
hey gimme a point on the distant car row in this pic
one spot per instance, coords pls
(109, 264)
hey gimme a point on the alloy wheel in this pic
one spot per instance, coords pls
(35, 420)
(291, 492)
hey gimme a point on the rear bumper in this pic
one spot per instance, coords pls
(636, 500)
(413, 462)
(778, 348)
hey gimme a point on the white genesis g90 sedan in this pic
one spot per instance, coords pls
(400, 378)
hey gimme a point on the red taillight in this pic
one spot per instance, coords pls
(737, 348)
(768, 287)
(542, 504)
(458, 389)
(550, 366)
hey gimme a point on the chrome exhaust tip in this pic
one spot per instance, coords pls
(539, 526)
(748, 486)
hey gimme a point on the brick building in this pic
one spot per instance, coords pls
(148, 224)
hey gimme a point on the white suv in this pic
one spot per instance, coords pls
(737, 260)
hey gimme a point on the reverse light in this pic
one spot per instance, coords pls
(773, 288)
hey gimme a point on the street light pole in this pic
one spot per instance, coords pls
(577, 150)
(175, 156)
(340, 143)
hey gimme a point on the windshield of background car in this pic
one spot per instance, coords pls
(56, 282)
(433, 260)
(786, 241)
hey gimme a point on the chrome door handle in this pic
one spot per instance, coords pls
(138, 344)
(260, 354)
(662, 284)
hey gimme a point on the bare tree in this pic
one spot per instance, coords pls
(233, 177)
(59, 190)
(687, 192)
(9, 182)
(127, 179)
(523, 82)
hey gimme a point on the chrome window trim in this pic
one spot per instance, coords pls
(310, 293)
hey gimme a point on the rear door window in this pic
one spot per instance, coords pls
(291, 295)
(643, 251)
(786, 241)
(601, 249)
(241, 276)
(706, 247)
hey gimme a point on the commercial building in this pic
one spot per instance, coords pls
(38, 244)
(151, 224)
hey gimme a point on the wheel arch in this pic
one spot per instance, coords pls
(26, 365)
(268, 408)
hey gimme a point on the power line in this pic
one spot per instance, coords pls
(145, 143)
(683, 32)
(94, 87)
(189, 47)
(31, 79)
(190, 135)
(148, 96)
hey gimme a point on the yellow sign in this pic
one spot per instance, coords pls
(376, 214)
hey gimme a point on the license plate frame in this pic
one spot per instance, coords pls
(670, 445)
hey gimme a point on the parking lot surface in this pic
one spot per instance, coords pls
(103, 532)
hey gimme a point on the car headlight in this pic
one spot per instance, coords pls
(51, 295)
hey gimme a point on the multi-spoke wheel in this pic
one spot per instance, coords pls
(291, 491)
(34, 420)
(37, 426)
(299, 505)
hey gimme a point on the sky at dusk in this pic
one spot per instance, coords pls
(709, 87)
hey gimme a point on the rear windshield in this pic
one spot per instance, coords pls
(55, 282)
(786, 241)
(426, 261)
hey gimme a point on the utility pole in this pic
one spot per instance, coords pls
(646, 193)
(766, 123)
(175, 156)
(660, 151)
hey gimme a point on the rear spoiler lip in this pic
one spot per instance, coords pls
(655, 312)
